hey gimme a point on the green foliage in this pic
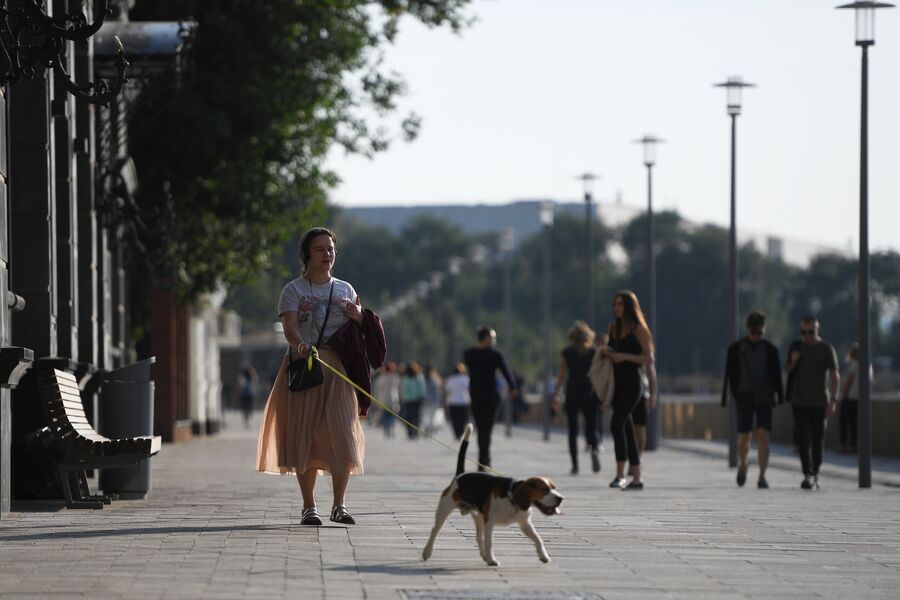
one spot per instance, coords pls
(692, 290)
(231, 157)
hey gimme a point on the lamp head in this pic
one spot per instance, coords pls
(649, 142)
(865, 19)
(734, 87)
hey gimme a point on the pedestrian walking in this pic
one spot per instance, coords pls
(574, 364)
(753, 375)
(412, 395)
(316, 430)
(434, 396)
(457, 398)
(849, 418)
(630, 348)
(813, 396)
(601, 340)
(247, 383)
(483, 361)
(386, 387)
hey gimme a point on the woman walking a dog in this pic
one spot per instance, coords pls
(316, 430)
(630, 348)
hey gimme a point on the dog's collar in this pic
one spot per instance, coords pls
(510, 488)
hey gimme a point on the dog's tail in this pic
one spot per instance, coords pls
(461, 459)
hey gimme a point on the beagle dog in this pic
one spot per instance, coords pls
(494, 501)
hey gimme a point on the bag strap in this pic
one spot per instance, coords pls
(324, 323)
(327, 312)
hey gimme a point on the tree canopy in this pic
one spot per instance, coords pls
(230, 155)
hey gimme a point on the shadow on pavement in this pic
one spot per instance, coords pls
(417, 568)
(75, 535)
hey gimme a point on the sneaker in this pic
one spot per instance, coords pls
(618, 482)
(808, 482)
(742, 475)
(310, 517)
(595, 460)
(339, 514)
(762, 484)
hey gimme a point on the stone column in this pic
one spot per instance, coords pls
(33, 210)
(62, 108)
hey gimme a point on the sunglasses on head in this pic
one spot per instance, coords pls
(807, 331)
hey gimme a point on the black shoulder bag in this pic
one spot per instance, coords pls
(305, 373)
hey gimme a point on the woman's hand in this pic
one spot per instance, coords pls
(353, 310)
(303, 350)
(617, 357)
(651, 401)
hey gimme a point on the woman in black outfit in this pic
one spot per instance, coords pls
(574, 364)
(630, 347)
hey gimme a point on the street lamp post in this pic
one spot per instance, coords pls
(479, 257)
(506, 246)
(546, 216)
(649, 142)
(588, 178)
(865, 37)
(454, 266)
(734, 87)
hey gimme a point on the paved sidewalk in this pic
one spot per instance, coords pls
(213, 528)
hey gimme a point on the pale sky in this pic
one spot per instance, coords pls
(538, 91)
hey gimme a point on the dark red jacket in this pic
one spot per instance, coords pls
(361, 348)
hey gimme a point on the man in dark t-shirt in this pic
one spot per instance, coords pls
(753, 375)
(813, 368)
(483, 361)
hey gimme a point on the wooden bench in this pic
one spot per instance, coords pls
(79, 446)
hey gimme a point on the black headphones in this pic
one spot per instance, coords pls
(304, 251)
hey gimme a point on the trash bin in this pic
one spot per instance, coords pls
(126, 410)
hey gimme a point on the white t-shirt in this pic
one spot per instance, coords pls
(853, 390)
(310, 300)
(457, 390)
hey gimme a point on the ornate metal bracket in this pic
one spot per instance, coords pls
(32, 40)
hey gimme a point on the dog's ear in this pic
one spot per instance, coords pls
(523, 491)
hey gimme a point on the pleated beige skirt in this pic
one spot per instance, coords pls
(317, 428)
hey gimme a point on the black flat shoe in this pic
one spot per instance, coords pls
(339, 514)
(633, 486)
(595, 460)
(311, 517)
(618, 482)
(573, 470)
(742, 476)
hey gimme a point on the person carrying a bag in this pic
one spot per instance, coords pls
(753, 374)
(311, 422)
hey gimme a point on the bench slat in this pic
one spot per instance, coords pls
(65, 377)
(66, 389)
(67, 413)
(67, 403)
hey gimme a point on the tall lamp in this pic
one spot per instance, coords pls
(734, 86)
(546, 216)
(865, 37)
(588, 179)
(649, 143)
